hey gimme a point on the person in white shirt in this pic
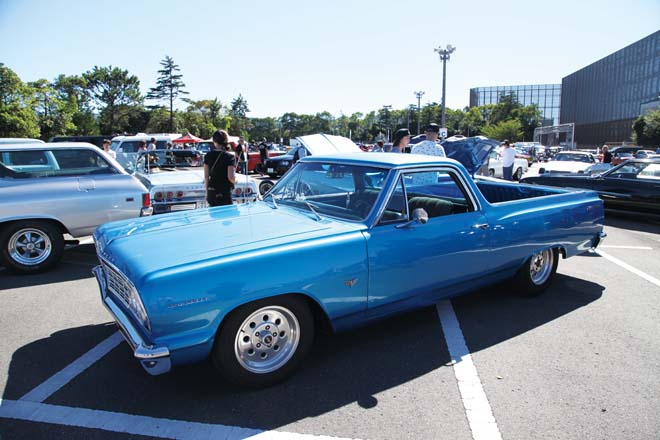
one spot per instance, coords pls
(106, 148)
(152, 144)
(430, 146)
(508, 159)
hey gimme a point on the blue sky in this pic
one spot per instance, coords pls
(310, 56)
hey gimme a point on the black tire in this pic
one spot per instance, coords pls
(525, 282)
(491, 172)
(45, 241)
(225, 355)
(518, 174)
(265, 186)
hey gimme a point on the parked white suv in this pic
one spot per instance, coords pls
(126, 147)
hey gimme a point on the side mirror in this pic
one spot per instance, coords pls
(419, 215)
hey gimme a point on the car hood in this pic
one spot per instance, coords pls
(328, 144)
(472, 152)
(145, 246)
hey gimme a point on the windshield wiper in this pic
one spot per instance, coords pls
(311, 208)
(273, 199)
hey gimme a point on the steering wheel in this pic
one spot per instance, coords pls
(305, 189)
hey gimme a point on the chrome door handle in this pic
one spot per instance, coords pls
(482, 226)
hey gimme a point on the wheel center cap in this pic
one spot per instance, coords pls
(30, 246)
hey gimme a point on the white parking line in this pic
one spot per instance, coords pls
(136, 425)
(477, 409)
(641, 248)
(68, 373)
(628, 267)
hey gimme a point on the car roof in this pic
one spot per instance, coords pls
(48, 146)
(388, 160)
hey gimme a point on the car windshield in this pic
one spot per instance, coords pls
(154, 161)
(346, 192)
(568, 157)
(636, 170)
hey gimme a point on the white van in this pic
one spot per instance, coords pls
(126, 147)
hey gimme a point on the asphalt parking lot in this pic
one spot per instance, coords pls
(580, 361)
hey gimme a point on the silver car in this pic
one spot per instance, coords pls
(48, 190)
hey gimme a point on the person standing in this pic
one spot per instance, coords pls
(106, 148)
(508, 159)
(607, 156)
(142, 146)
(430, 146)
(400, 141)
(219, 171)
(378, 148)
(263, 155)
(241, 155)
(152, 144)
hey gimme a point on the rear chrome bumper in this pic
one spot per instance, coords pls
(599, 239)
(155, 360)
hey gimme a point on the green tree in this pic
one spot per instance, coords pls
(472, 122)
(529, 118)
(511, 130)
(72, 91)
(168, 86)
(114, 93)
(646, 130)
(17, 117)
(53, 114)
(238, 111)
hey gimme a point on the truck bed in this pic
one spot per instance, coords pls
(497, 192)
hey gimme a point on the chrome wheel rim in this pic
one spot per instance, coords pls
(267, 339)
(29, 246)
(540, 266)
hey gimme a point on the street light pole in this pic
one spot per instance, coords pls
(419, 99)
(444, 57)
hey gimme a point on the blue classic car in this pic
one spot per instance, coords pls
(364, 236)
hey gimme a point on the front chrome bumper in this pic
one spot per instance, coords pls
(155, 360)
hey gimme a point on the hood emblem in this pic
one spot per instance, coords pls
(351, 283)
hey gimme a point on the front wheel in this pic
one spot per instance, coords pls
(537, 273)
(30, 246)
(262, 343)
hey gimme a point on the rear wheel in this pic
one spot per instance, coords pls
(518, 174)
(261, 343)
(265, 186)
(537, 273)
(30, 246)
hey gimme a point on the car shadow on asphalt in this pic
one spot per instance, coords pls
(348, 368)
(76, 264)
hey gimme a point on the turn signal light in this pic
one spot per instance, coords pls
(179, 194)
(158, 196)
(146, 200)
(170, 195)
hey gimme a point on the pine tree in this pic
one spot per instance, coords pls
(168, 86)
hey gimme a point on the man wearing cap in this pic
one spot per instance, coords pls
(430, 147)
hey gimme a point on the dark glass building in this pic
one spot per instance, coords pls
(546, 96)
(604, 98)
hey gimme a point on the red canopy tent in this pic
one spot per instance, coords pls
(187, 139)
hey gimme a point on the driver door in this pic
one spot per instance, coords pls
(418, 263)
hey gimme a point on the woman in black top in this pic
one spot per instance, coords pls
(219, 171)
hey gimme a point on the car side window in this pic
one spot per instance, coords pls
(77, 162)
(396, 209)
(439, 193)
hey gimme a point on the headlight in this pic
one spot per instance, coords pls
(135, 304)
(284, 163)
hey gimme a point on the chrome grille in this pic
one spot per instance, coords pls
(116, 283)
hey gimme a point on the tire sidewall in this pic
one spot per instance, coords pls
(524, 280)
(224, 357)
(47, 228)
